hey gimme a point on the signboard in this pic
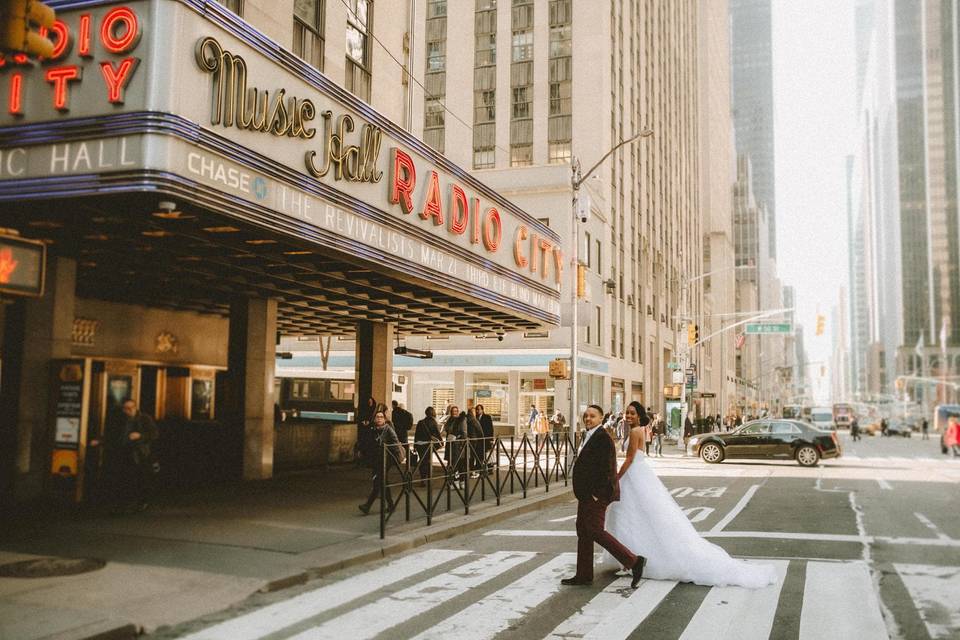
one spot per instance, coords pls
(270, 130)
(673, 366)
(70, 383)
(769, 327)
(22, 266)
(677, 377)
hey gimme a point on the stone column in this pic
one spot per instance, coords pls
(251, 359)
(374, 369)
(37, 330)
(460, 389)
(513, 380)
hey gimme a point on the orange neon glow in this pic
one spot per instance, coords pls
(62, 40)
(7, 265)
(403, 177)
(534, 257)
(130, 35)
(59, 77)
(475, 214)
(118, 78)
(432, 206)
(83, 47)
(459, 213)
(518, 256)
(15, 105)
(492, 230)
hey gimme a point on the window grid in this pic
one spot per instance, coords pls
(559, 123)
(521, 84)
(308, 43)
(358, 59)
(435, 75)
(485, 85)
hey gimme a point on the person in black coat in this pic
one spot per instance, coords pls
(475, 434)
(426, 438)
(595, 486)
(486, 425)
(402, 421)
(456, 429)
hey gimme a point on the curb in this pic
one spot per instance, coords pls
(443, 531)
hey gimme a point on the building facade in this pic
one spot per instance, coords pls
(751, 29)
(532, 86)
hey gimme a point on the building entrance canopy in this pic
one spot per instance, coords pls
(185, 159)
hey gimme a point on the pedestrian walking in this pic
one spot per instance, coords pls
(488, 442)
(475, 438)
(402, 421)
(925, 428)
(128, 458)
(687, 429)
(854, 428)
(456, 429)
(532, 420)
(951, 438)
(383, 443)
(426, 439)
(883, 426)
(659, 430)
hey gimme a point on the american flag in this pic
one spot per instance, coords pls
(740, 340)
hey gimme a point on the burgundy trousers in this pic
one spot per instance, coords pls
(591, 516)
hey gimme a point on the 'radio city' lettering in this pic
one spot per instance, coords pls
(119, 34)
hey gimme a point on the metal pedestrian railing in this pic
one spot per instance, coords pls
(440, 478)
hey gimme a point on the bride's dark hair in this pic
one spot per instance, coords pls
(644, 419)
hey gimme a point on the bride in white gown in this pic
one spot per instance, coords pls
(648, 521)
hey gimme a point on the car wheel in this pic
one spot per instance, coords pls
(711, 452)
(807, 456)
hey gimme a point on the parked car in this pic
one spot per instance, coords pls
(768, 438)
(822, 418)
(899, 428)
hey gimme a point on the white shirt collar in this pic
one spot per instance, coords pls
(589, 433)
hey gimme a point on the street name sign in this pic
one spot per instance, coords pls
(769, 327)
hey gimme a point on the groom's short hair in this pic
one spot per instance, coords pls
(597, 407)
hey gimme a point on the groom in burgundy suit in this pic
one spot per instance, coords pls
(595, 485)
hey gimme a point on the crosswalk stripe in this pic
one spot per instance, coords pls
(595, 611)
(390, 611)
(831, 591)
(625, 618)
(275, 617)
(935, 591)
(734, 612)
(498, 611)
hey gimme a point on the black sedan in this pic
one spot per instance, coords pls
(772, 438)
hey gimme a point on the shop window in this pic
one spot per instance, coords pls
(308, 31)
(441, 398)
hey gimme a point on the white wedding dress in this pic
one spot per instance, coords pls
(648, 521)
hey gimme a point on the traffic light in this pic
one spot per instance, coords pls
(693, 334)
(581, 281)
(821, 324)
(19, 24)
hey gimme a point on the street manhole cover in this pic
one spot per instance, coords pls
(49, 567)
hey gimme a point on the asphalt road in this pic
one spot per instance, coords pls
(868, 546)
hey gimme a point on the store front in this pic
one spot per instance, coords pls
(185, 168)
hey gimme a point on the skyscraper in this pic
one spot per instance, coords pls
(752, 81)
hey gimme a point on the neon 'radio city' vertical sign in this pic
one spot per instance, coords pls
(117, 34)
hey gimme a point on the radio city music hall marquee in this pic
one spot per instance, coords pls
(95, 70)
(357, 159)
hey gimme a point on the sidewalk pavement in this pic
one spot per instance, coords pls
(196, 553)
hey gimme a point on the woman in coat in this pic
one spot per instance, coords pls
(456, 428)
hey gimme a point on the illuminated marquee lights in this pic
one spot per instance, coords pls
(119, 33)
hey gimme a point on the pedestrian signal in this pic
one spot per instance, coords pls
(20, 21)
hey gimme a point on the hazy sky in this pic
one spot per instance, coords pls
(814, 82)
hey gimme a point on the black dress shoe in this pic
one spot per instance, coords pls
(365, 508)
(637, 571)
(575, 581)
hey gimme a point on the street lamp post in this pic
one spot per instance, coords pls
(577, 178)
